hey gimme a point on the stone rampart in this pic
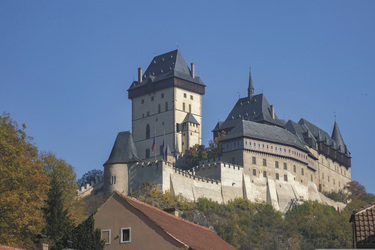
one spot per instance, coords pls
(89, 188)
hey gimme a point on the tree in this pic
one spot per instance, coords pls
(84, 236)
(62, 176)
(195, 155)
(58, 221)
(23, 185)
(319, 226)
(215, 147)
(90, 176)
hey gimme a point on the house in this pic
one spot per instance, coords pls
(127, 223)
(363, 220)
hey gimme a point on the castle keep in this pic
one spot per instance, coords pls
(264, 158)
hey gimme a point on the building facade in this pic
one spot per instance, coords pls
(264, 158)
(166, 106)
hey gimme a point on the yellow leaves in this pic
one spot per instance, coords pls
(23, 185)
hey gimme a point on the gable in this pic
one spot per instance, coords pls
(116, 213)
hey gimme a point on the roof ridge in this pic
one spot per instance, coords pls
(170, 215)
(364, 207)
(125, 197)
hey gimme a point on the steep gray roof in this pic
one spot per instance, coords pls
(336, 142)
(170, 64)
(336, 136)
(302, 132)
(256, 109)
(190, 118)
(265, 132)
(124, 150)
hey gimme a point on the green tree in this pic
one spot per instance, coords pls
(90, 176)
(195, 155)
(84, 236)
(215, 147)
(319, 226)
(62, 175)
(58, 221)
(23, 185)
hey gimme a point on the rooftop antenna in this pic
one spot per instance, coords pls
(239, 96)
(177, 45)
(334, 114)
(154, 52)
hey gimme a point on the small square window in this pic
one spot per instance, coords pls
(276, 164)
(277, 176)
(264, 174)
(254, 172)
(162, 95)
(106, 236)
(142, 101)
(185, 95)
(191, 97)
(294, 168)
(285, 177)
(265, 162)
(152, 98)
(125, 235)
(302, 171)
(285, 166)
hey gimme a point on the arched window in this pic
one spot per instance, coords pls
(147, 131)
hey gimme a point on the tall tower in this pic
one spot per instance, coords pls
(166, 106)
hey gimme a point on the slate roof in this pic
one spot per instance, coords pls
(170, 64)
(124, 150)
(364, 222)
(265, 132)
(192, 235)
(300, 131)
(336, 142)
(190, 118)
(256, 109)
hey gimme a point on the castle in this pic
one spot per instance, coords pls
(264, 158)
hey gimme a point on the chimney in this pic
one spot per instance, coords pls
(192, 70)
(140, 74)
(273, 111)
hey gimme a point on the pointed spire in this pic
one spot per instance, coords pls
(336, 136)
(250, 90)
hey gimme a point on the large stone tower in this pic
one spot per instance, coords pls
(166, 107)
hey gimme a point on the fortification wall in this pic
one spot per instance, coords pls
(192, 186)
(94, 186)
(145, 172)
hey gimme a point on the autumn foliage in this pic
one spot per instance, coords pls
(23, 185)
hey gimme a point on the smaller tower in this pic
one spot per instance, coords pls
(116, 168)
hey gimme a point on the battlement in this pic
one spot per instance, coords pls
(90, 187)
(191, 175)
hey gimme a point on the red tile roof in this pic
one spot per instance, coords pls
(364, 221)
(3, 247)
(192, 235)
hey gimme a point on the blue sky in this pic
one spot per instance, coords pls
(65, 66)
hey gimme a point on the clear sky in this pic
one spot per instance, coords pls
(65, 66)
